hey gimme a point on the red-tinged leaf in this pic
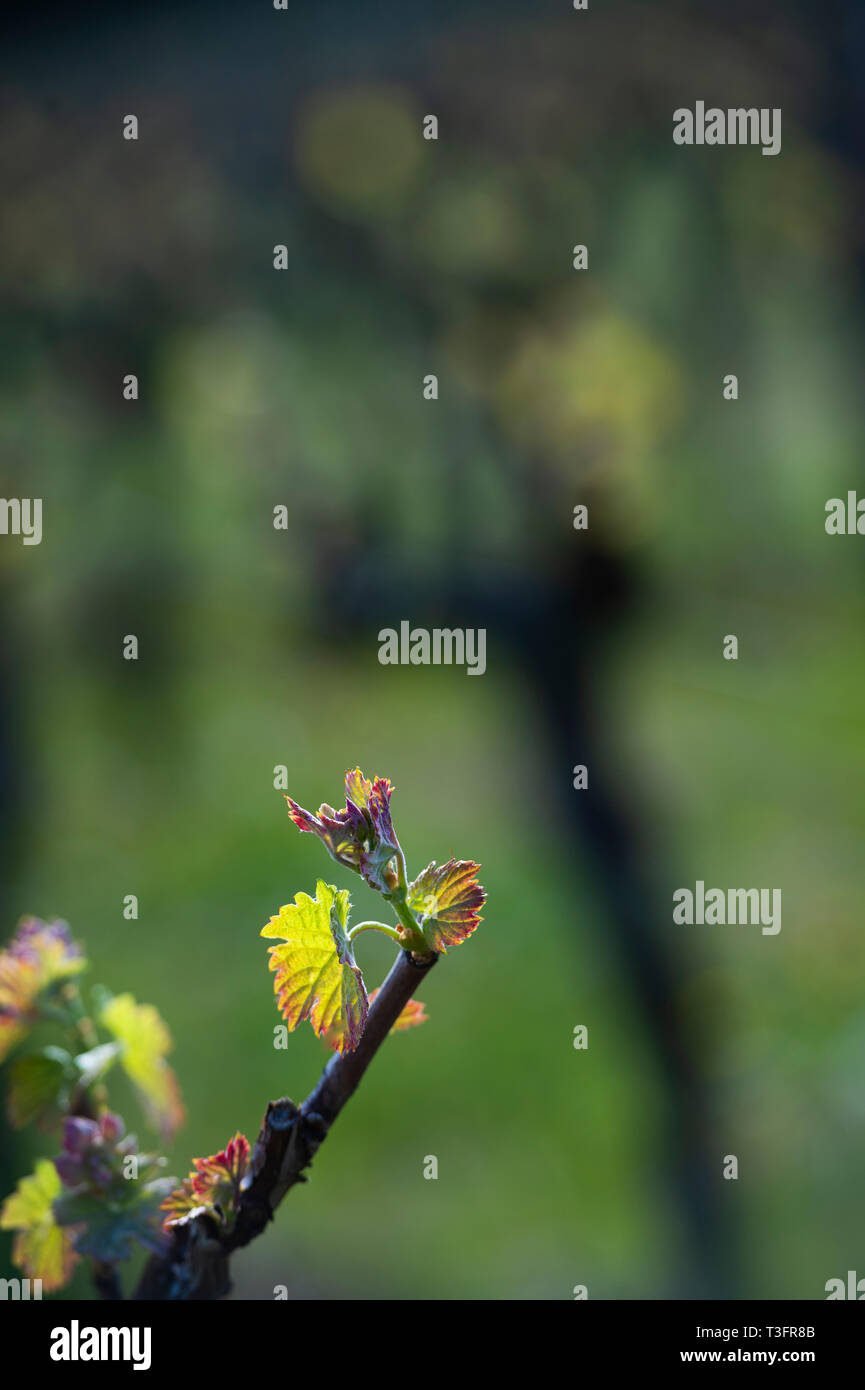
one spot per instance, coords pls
(214, 1185)
(361, 835)
(40, 954)
(317, 977)
(448, 902)
(180, 1204)
(413, 1014)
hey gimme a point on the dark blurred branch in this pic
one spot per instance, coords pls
(557, 619)
(106, 1280)
(195, 1266)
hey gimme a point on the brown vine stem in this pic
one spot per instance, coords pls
(196, 1263)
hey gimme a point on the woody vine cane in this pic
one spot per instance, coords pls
(100, 1196)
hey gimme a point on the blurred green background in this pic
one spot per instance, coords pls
(259, 647)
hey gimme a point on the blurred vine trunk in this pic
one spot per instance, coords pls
(558, 625)
(12, 827)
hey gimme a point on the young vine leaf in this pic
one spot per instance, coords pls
(214, 1185)
(360, 836)
(41, 1248)
(40, 1086)
(316, 974)
(145, 1040)
(111, 1193)
(413, 1014)
(447, 901)
(40, 956)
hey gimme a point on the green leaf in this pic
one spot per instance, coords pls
(316, 974)
(39, 1087)
(41, 1247)
(447, 901)
(111, 1227)
(145, 1040)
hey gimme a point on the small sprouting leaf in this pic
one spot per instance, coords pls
(413, 1014)
(111, 1193)
(41, 1248)
(316, 974)
(360, 836)
(39, 956)
(94, 1153)
(214, 1185)
(181, 1203)
(146, 1040)
(39, 1087)
(448, 902)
